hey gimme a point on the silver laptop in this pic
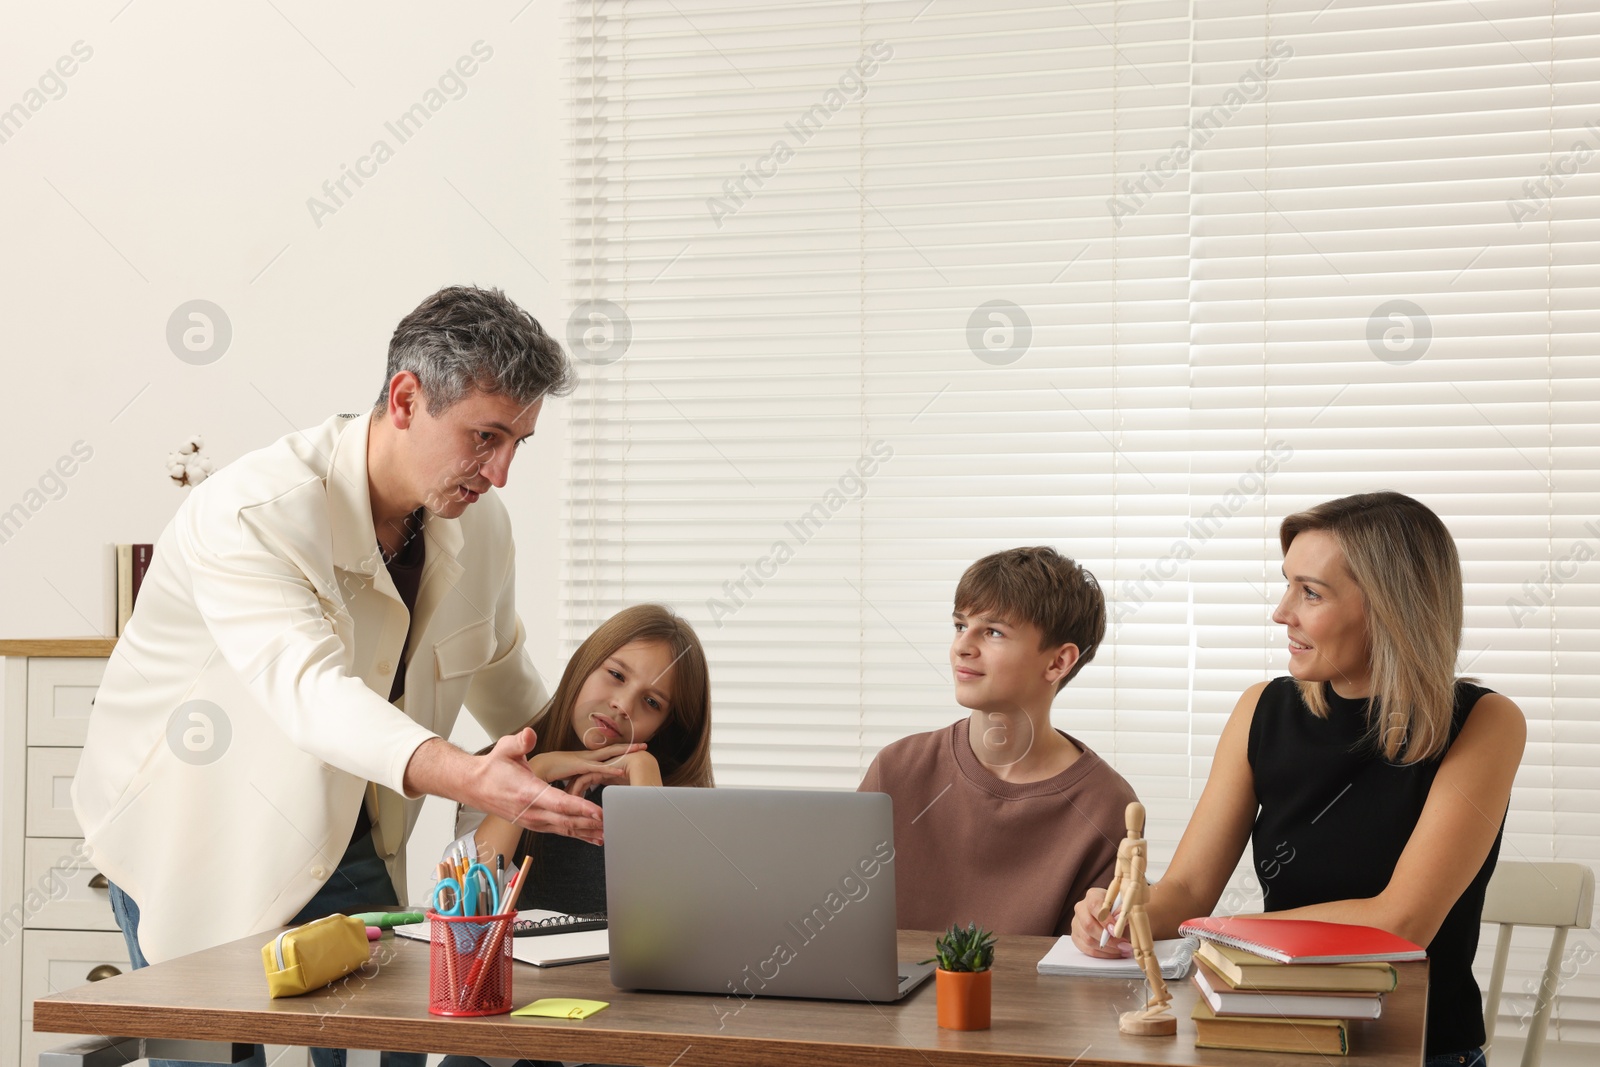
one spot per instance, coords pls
(754, 892)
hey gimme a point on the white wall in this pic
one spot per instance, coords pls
(176, 164)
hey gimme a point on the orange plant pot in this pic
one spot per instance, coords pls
(963, 999)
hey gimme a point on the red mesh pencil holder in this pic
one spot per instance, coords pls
(469, 965)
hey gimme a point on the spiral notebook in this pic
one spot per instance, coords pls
(545, 938)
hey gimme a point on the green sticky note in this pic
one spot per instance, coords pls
(562, 1008)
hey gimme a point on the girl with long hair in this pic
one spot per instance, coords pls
(633, 707)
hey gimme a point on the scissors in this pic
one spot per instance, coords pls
(463, 893)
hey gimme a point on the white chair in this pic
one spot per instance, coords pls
(1556, 895)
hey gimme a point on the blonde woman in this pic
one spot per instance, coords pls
(1371, 783)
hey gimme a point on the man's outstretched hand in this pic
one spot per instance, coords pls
(501, 783)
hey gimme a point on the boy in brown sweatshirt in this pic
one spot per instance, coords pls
(999, 818)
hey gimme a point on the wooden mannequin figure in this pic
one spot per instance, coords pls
(1155, 1018)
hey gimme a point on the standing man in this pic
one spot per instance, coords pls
(314, 616)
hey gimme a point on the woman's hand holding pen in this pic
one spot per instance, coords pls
(1088, 929)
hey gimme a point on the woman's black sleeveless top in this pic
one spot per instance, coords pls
(1334, 817)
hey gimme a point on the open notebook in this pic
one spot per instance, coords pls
(1172, 957)
(544, 949)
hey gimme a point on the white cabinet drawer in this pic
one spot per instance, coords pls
(60, 694)
(49, 801)
(57, 876)
(54, 961)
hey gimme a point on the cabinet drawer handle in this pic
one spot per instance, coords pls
(99, 882)
(102, 972)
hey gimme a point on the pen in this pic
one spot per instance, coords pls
(515, 879)
(1105, 932)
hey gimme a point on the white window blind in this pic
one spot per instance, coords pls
(867, 290)
(927, 274)
(1376, 285)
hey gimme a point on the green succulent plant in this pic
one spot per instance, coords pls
(971, 949)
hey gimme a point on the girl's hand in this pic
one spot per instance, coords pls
(555, 766)
(640, 767)
(1086, 928)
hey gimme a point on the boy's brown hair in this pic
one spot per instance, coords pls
(1039, 586)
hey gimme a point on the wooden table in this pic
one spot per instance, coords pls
(221, 995)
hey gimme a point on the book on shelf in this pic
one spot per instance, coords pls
(1300, 941)
(1275, 1033)
(141, 565)
(124, 587)
(1225, 1000)
(1246, 970)
(129, 564)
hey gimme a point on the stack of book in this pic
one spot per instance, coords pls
(1289, 985)
(129, 562)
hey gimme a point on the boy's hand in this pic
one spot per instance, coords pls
(1087, 928)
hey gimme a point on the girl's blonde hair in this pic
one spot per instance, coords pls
(682, 746)
(1405, 563)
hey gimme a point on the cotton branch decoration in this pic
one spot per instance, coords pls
(188, 466)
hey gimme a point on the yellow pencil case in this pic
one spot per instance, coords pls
(309, 957)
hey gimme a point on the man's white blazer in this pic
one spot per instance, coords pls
(245, 707)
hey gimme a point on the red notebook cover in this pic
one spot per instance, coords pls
(1304, 940)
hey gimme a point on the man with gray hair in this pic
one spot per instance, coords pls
(313, 619)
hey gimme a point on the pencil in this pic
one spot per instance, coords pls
(495, 940)
(448, 947)
(517, 881)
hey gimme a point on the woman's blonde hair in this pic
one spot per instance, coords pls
(1405, 563)
(682, 746)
